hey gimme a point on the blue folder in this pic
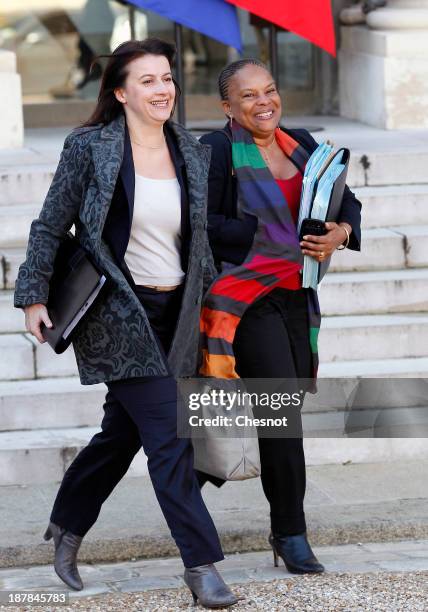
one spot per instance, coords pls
(322, 193)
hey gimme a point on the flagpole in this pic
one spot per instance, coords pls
(273, 53)
(178, 33)
(132, 21)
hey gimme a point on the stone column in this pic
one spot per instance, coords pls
(383, 67)
(11, 116)
(400, 15)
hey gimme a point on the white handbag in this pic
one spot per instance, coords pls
(218, 450)
(227, 458)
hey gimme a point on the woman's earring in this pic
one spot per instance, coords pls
(230, 121)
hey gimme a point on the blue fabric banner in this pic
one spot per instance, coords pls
(215, 18)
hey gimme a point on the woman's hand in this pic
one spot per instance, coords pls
(35, 315)
(322, 247)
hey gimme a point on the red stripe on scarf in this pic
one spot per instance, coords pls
(240, 290)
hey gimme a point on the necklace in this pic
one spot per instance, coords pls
(264, 153)
(146, 146)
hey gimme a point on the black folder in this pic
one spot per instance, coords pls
(335, 204)
(75, 284)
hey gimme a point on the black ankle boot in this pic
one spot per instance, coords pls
(66, 546)
(207, 586)
(296, 553)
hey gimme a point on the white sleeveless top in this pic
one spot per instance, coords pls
(153, 253)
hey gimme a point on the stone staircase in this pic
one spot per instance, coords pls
(375, 306)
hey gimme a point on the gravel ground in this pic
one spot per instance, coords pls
(386, 592)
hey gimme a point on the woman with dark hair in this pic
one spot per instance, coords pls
(134, 185)
(257, 320)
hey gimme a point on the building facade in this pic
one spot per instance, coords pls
(56, 41)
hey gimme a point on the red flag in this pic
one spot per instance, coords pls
(311, 19)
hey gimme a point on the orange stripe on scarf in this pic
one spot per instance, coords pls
(285, 142)
(218, 324)
(218, 366)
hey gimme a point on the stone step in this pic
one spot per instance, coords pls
(372, 337)
(389, 336)
(383, 292)
(15, 222)
(386, 248)
(383, 206)
(415, 237)
(25, 183)
(392, 336)
(23, 357)
(378, 157)
(381, 248)
(50, 403)
(50, 365)
(362, 336)
(17, 358)
(27, 174)
(391, 205)
(379, 211)
(11, 319)
(350, 346)
(394, 165)
(412, 367)
(11, 259)
(44, 455)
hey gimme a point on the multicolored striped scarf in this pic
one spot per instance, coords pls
(274, 257)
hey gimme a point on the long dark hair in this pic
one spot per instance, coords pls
(115, 73)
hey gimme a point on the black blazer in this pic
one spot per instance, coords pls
(117, 228)
(231, 238)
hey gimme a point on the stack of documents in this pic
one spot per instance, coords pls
(320, 180)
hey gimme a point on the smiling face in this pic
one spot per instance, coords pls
(149, 91)
(253, 100)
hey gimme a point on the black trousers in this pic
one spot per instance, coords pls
(272, 341)
(142, 412)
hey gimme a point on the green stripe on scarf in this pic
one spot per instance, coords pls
(247, 155)
(313, 338)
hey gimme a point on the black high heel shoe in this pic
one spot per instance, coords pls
(207, 586)
(296, 553)
(66, 546)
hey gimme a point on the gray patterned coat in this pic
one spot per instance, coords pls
(115, 341)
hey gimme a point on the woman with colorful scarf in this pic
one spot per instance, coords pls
(257, 320)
